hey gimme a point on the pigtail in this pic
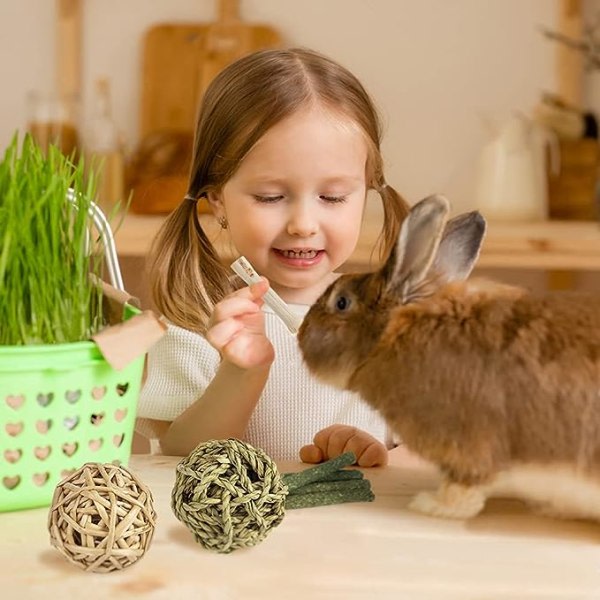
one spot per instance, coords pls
(187, 276)
(395, 210)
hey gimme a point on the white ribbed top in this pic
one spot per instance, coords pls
(293, 407)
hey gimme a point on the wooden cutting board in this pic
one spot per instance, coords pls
(180, 60)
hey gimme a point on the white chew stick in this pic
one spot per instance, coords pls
(246, 271)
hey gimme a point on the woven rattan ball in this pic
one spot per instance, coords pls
(102, 518)
(229, 494)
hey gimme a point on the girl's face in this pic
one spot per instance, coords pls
(295, 204)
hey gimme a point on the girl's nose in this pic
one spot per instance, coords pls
(302, 221)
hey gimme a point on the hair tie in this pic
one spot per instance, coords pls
(383, 186)
(190, 198)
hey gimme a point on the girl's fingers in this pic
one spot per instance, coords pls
(246, 300)
(255, 291)
(338, 440)
(233, 306)
(332, 439)
(374, 455)
(220, 334)
(321, 439)
(311, 454)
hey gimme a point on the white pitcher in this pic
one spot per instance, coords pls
(511, 178)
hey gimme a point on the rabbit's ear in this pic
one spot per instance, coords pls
(417, 245)
(460, 245)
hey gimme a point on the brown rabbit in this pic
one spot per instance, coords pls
(497, 386)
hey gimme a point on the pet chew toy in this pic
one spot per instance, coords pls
(246, 272)
(101, 518)
(230, 495)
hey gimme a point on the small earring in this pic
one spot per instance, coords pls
(222, 222)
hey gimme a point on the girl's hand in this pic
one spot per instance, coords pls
(337, 439)
(237, 328)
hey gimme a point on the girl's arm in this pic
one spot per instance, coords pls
(237, 331)
(223, 411)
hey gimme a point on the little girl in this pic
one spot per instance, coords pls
(287, 146)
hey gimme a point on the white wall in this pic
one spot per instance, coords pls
(434, 66)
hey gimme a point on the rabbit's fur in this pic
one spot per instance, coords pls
(498, 387)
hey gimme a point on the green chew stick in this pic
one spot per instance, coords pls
(319, 472)
(326, 498)
(327, 483)
(334, 486)
(344, 475)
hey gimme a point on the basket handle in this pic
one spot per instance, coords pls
(110, 251)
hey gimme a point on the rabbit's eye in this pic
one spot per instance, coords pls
(342, 303)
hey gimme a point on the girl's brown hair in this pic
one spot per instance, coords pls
(239, 106)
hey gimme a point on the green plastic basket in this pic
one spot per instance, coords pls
(62, 405)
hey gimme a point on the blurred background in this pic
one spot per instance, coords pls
(492, 103)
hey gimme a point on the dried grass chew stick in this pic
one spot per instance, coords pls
(326, 498)
(246, 271)
(327, 484)
(321, 472)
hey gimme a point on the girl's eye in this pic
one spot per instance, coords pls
(267, 199)
(342, 303)
(333, 199)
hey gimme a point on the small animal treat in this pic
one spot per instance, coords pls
(498, 386)
(230, 495)
(247, 273)
(102, 518)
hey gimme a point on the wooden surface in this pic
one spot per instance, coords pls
(377, 550)
(569, 245)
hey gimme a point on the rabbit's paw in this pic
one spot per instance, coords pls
(451, 501)
(554, 511)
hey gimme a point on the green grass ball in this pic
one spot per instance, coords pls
(229, 494)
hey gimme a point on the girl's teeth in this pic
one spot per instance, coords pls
(303, 254)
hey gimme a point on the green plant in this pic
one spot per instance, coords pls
(46, 254)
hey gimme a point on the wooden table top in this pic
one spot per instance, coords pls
(544, 245)
(377, 550)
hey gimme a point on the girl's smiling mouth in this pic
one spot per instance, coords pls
(299, 257)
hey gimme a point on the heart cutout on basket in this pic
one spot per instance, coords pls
(118, 440)
(70, 448)
(43, 425)
(10, 483)
(15, 401)
(120, 414)
(122, 388)
(98, 392)
(42, 452)
(95, 444)
(70, 422)
(71, 396)
(40, 478)
(97, 418)
(14, 429)
(45, 399)
(13, 456)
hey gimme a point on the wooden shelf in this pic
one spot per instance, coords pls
(552, 245)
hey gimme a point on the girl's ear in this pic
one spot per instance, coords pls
(216, 205)
(460, 245)
(417, 245)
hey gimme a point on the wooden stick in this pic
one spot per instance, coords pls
(570, 61)
(229, 11)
